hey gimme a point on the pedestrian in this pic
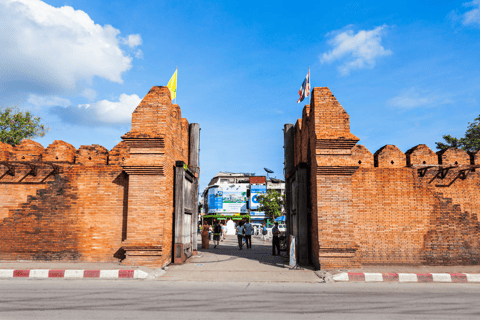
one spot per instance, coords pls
(275, 239)
(224, 230)
(264, 232)
(248, 228)
(205, 230)
(240, 235)
(217, 231)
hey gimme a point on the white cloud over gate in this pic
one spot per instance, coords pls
(357, 50)
(103, 112)
(48, 50)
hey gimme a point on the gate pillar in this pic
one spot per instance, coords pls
(157, 139)
(332, 170)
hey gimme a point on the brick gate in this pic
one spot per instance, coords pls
(92, 204)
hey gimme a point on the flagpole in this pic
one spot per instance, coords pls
(176, 86)
(310, 87)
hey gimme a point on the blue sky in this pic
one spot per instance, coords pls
(406, 73)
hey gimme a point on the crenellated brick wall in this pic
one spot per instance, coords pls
(387, 207)
(91, 204)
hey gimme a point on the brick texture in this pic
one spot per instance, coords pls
(92, 204)
(388, 208)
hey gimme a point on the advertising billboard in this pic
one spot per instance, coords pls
(215, 200)
(235, 198)
(228, 199)
(255, 191)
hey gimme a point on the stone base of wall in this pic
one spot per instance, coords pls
(148, 256)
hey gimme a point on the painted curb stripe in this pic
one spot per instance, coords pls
(373, 277)
(389, 277)
(125, 273)
(407, 277)
(39, 273)
(91, 274)
(441, 277)
(21, 273)
(73, 274)
(108, 274)
(424, 277)
(6, 273)
(473, 277)
(56, 273)
(341, 276)
(356, 276)
(459, 277)
(139, 274)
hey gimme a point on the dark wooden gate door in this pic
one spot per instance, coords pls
(186, 201)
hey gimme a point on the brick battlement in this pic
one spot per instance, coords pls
(389, 207)
(60, 152)
(92, 204)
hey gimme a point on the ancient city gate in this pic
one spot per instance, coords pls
(388, 207)
(92, 204)
(186, 201)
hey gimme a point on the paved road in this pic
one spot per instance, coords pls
(130, 299)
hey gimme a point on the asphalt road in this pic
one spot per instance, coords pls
(133, 299)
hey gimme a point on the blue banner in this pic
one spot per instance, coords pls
(255, 191)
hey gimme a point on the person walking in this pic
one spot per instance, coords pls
(217, 232)
(205, 230)
(224, 230)
(248, 228)
(240, 235)
(264, 232)
(275, 239)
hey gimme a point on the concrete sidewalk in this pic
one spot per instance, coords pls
(228, 264)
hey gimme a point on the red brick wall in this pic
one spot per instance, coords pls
(389, 207)
(76, 214)
(91, 207)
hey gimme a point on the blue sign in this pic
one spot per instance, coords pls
(255, 191)
(215, 200)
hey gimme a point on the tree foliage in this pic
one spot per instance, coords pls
(16, 125)
(471, 141)
(271, 203)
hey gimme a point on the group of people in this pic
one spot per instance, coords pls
(244, 231)
(219, 231)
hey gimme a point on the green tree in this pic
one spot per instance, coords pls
(471, 141)
(16, 125)
(271, 203)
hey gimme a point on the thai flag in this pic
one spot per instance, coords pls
(305, 88)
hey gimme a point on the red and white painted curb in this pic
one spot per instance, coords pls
(407, 277)
(73, 274)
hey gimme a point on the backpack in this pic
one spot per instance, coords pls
(218, 229)
(264, 231)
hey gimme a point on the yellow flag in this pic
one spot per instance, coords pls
(172, 85)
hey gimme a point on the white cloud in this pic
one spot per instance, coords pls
(90, 94)
(103, 112)
(358, 50)
(414, 98)
(133, 40)
(37, 102)
(47, 50)
(472, 16)
(139, 54)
